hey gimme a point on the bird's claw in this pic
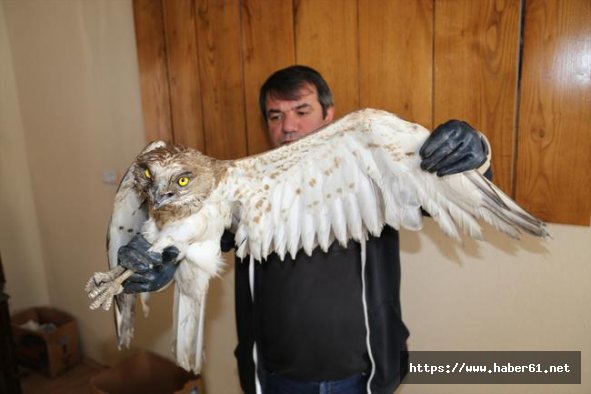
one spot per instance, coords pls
(99, 278)
(102, 287)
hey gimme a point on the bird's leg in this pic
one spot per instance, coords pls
(103, 286)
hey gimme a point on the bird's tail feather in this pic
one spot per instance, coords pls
(188, 324)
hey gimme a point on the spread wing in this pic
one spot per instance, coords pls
(352, 177)
(127, 219)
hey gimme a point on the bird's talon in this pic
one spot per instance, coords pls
(104, 286)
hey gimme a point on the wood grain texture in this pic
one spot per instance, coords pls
(425, 60)
(395, 57)
(476, 66)
(183, 73)
(267, 46)
(554, 148)
(326, 39)
(151, 49)
(222, 92)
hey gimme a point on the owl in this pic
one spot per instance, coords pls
(343, 182)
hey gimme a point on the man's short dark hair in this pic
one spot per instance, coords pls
(285, 83)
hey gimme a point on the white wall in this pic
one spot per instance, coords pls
(70, 107)
(500, 295)
(20, 241)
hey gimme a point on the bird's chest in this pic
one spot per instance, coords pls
(198, 227)
(197, 237)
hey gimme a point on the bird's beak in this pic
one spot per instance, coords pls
(161, 199)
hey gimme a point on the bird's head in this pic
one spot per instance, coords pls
(173, 178)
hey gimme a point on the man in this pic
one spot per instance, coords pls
(307, 319)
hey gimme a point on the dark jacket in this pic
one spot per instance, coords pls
(388, 333)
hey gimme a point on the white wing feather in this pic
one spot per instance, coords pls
(353, 177)
(128, 217)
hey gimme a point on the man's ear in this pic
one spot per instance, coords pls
(329, 114)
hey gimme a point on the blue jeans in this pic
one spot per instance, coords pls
(277, 384)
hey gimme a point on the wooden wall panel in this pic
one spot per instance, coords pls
(553, 178)
(267, 46)
(476, 61)
(151, 48)
(395, 57)
(183, 73)
(222, 91)
(202, 63)
(326, 39)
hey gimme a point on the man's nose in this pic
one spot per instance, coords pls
(290, 123)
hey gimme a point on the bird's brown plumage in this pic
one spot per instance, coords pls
(166, 164)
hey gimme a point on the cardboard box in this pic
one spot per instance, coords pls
(146, 373)
(46, 340)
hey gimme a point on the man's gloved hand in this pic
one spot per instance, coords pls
(227, 241)
(152, 270)
(453, 147)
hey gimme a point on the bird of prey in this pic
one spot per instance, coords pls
(341, 183)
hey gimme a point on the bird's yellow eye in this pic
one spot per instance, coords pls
(183, 181)
(147, 174)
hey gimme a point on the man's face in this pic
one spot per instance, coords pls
(290, 120)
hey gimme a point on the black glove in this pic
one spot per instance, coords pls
(152, 270)
(453, 147)
(227, 241)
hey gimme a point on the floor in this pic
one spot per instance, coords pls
(77, 380)
(73, 381)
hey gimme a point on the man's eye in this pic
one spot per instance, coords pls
(303, 113)
(274, 118)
